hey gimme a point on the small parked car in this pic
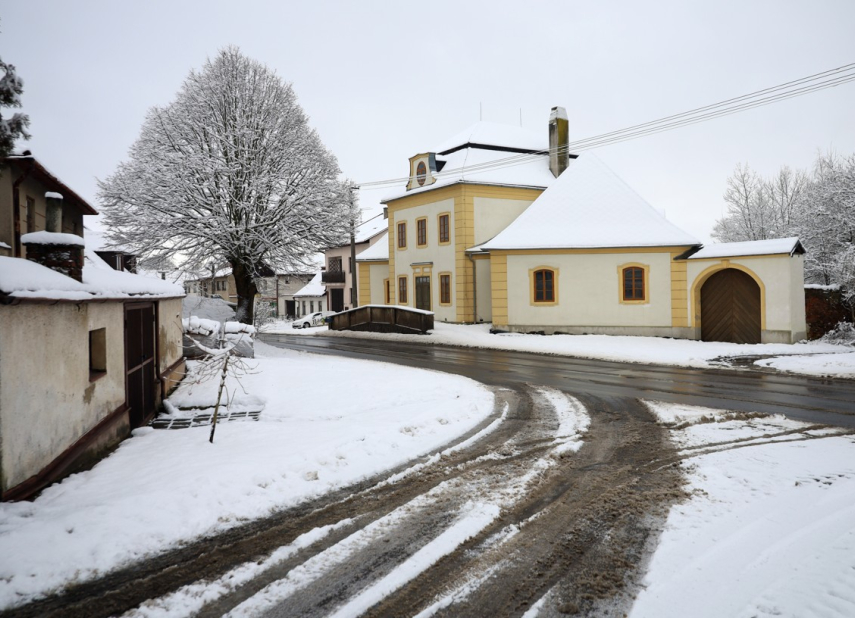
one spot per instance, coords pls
(313, 319)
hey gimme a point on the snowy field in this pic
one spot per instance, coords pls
(769, 529)
(814, 358)
(324, 424)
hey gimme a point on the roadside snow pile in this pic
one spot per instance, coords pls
(826, 365)
(163, 488)
(651, 350)
(769, 529)
(200, 326)
(242, 337)
(232, 328)
(209, 308)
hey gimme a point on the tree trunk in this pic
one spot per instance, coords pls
(246, 292)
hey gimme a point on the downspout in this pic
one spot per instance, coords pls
(474, 290)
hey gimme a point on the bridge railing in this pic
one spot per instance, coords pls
(383, 319)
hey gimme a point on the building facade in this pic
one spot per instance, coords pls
(499, 225)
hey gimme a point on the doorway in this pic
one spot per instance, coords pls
(336, 299)
(730, 308)
(140, 381)
(423, 293)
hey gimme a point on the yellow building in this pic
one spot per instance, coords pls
(500, 225)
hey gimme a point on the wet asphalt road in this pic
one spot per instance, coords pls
(813, 400)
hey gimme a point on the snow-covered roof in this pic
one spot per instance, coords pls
(488, 167)
(589, 206)
(20, 278)
(378, 252)
(775, 246)
(52, 238)
(497, 135)
(370, 228)
(39, 172)
(313, 288)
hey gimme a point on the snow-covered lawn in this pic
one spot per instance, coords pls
(812, 358)
(325, 423)
(769, 529)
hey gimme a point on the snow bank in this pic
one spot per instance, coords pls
(769, 530)
(200, 326)
(239, 327)
(165, 487)
(649, 350)
(833, 365)
(208, 308)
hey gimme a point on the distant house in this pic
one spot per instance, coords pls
(338, 275)
(501, 225)
(311, 297)
(276, 289)
(118, 258)
(88, 352)
(220, 283)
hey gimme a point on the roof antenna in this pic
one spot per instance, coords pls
(520, 118)
(480, 111)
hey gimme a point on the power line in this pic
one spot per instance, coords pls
(773, 94)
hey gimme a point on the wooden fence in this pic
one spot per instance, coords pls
(383, 319)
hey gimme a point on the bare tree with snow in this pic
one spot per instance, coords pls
(11, 129)
(757, 208)
(749, 215)
(230, 171)
(826, 224)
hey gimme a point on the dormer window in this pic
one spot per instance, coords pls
(422, 170)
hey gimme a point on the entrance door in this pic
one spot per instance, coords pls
(423, 293)
(139, 361)
(336, 299)
(730, 308)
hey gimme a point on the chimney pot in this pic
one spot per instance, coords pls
(53, 218)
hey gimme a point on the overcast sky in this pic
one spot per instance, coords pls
(382, 81)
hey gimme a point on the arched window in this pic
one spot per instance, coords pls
(633, 283)
(544, 285)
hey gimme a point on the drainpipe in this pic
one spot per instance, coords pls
(474, 291)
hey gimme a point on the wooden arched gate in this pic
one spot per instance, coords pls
(730, 308)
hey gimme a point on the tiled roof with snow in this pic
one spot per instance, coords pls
(377, 252)
(589, 206)
(313, 288)
(775, 246)
(20, 278)
(498, 135)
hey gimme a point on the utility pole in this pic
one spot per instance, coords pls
(354, 299)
